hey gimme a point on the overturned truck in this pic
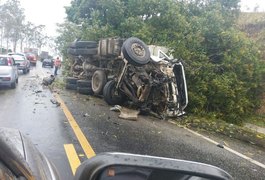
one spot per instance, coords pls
(125, 71)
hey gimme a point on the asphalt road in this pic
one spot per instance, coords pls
(28, 108)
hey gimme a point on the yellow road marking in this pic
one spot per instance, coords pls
(79, 134)
(72, 157)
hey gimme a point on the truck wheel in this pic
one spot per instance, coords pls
(99, 79)
(71, 80)
(70, 86)
(85, 90)
(110, 96)
(84, 83)
(136, 51)
(84, 44)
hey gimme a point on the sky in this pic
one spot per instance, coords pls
(45, 12)
(50, 12)
(249, 5)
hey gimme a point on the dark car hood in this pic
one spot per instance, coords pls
(19, 154)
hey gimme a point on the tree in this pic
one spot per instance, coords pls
(12, 18)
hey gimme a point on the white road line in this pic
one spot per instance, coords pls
(228, 149)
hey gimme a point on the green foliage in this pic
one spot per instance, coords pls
(223, 67)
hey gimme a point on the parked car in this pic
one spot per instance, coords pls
(47, 62)
(8, 71)
(32, 58)
(23, 63)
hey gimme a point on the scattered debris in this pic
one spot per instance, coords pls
(126, 113)
(86, 115)
(55, 102)
(116, 108)
(48, 80)
(252, 143)
(129, 114)
(116, 123)
(220, 145)
(38, 103)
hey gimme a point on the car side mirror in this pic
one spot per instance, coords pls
(121, 166)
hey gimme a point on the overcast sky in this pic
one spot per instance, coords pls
(45, 12)
(50, 12)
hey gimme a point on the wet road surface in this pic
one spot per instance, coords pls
(48, 127)
(29, 109)
(150, 136)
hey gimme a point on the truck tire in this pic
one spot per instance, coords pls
(84, 44)
(85, 90)
(109, 95)
(99, 79)
(84, 83)
(70, 86)
(71, 80)
(136, 51)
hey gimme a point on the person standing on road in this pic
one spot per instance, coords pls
(57, 65)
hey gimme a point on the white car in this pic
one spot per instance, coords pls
(8, 71)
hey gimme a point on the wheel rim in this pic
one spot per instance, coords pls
(96, 82)
(138, 50)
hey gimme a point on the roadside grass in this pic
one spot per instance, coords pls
(59, 83)
(211, 125)
(258, 120)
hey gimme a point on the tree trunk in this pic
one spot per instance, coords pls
(7, 41)
(14, 46)
(21, 45)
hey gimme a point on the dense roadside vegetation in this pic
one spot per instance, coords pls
(224, 67)
(15, 31)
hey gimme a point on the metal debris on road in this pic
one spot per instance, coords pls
(220, 145)
(86, 115)
(116, 108)
(129, 114)
(38, 91)
(55, 102)
(48, 80)
(126, 113)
